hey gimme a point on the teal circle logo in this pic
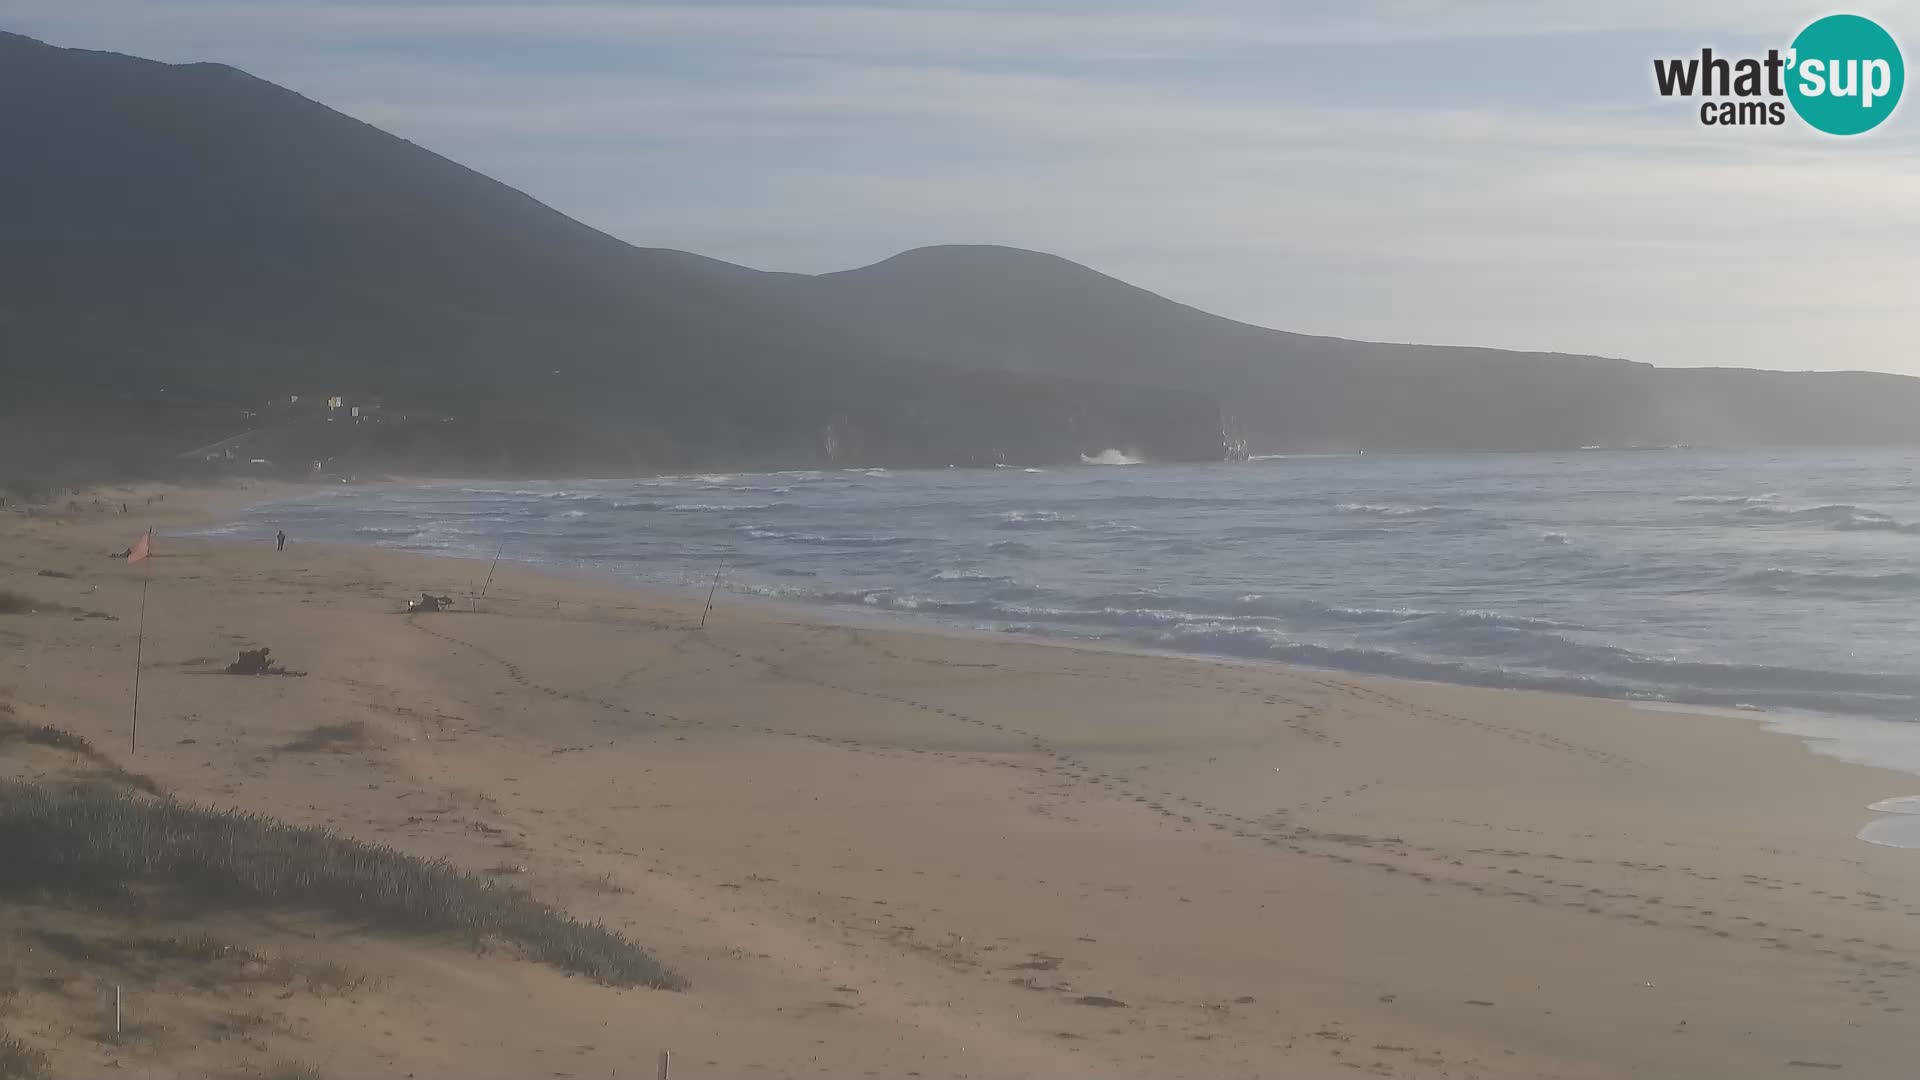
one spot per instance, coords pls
(1845, 74)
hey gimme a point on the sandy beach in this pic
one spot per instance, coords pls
(881, 852)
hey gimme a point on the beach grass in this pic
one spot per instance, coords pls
(18, 1061)
(96, 841)
(106, 769)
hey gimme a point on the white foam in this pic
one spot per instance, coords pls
(1900, 828)
(1857, 740)
(1109, 456)
(1396, 511)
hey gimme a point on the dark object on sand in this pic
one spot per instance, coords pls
(280, 538)
(121, 554)
(257, 662)
(429, 603)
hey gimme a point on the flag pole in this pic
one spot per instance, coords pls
(139, 649)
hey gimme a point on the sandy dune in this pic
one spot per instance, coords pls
(888, 853)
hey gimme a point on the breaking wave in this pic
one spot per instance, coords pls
(1375, 510)
(1843, 517)
(1033, 519)
(1781, 580)
(1726, 500)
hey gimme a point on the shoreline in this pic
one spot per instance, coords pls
(1815, 730)
(881, 849)
(1818, 734)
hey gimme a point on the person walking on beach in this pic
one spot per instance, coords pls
(280, 539)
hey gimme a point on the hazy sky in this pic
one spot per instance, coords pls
(1495, 172)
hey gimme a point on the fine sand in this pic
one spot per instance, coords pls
(879, 852)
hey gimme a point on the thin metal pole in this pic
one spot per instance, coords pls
(490, 569)
(139, 652)
(666, 1057)
(710, 592)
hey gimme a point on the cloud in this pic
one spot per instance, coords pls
(1050, 29)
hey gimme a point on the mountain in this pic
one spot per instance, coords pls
(1021, 311)
(182, 239)
(183, 244)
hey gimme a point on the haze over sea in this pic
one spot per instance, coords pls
(1777, 580)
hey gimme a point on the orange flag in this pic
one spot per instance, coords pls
(142, 547)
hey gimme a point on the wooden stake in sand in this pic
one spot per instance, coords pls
(141, 552)
(710, 592)
(666, 1056)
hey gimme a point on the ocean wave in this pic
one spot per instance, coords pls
(1727, 500)
(1010, 547)
(385, 534)
(1109, 456)
(885, 598)
(1149, 502)
(1375, 510)
(966, 575)
(1782, 580)
(1126, 611)
(717, 508)
(1033, 519)
(1733, 686)
(1844, 517)
(760, 532)
(1261, 606)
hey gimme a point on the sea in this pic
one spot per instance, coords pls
(1781, 582)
